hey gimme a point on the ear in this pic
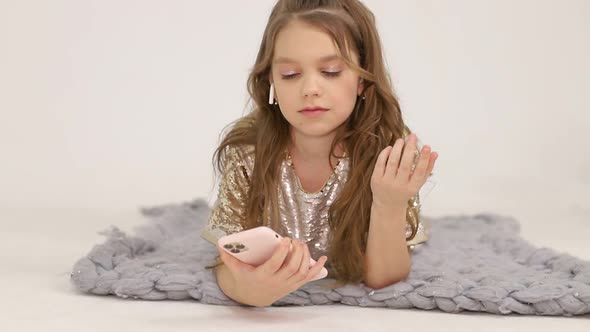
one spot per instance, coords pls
(361, 87)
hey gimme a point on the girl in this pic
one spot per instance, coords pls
(324, 158)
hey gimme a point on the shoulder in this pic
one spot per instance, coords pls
(240, 156)
(238, 152)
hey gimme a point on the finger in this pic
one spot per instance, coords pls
(381, 161)
(292, 264)
(419, 175)
(316, 268)
(274, 263)
(393, 159)
(433, 159)
(303, 267)
(409, 153)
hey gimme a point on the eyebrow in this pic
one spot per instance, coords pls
(325, 58)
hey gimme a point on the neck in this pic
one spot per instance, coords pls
(312, 150)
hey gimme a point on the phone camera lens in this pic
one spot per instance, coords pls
(228, 246)
(240, 246)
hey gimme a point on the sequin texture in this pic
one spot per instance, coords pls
(303, 215)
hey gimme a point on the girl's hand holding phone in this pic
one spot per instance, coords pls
(284, 272)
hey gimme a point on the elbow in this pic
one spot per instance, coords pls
(382, 281)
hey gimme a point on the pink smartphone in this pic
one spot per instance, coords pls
(255, 246)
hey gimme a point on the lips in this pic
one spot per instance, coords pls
(313, 109)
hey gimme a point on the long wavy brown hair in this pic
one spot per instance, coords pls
(375, 123)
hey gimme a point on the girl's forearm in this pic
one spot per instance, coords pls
(387, 259)
(229, 287)
(227, 283)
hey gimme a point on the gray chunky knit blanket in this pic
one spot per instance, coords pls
(475, 263)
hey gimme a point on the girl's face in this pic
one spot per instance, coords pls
(306, 72)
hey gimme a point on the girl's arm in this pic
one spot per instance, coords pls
(393, 183)
(387, 258)
(229, 287)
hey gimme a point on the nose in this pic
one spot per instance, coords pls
(310, 86)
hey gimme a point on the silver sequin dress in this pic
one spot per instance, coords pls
(304, 215)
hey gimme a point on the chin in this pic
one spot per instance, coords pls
(315, 132)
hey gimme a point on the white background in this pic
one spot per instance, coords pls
(109, 105)
(112, 104)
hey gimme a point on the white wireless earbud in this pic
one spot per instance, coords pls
(271, 94)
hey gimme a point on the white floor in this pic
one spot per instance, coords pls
(37, 256)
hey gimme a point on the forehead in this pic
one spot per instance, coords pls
(299, 42)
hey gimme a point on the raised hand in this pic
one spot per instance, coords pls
(395, 181)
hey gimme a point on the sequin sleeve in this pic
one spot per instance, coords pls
(413, 216)
(228, 212)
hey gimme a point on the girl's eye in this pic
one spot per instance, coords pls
(289, 76)
(327, 73)
(332, 73)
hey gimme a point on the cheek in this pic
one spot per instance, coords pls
(347, 94)
(287, 95)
